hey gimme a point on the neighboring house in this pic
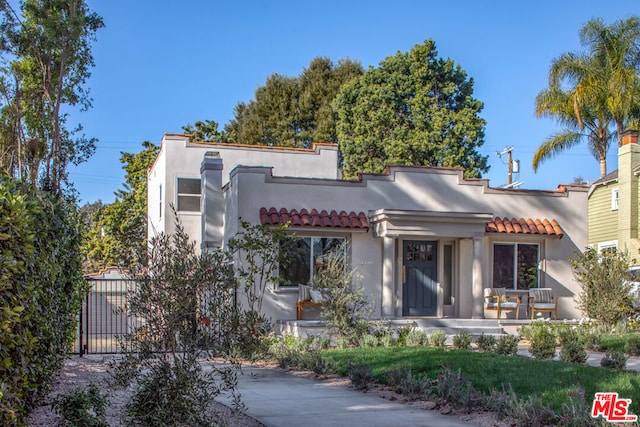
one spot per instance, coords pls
(426, 240)
(613, 203)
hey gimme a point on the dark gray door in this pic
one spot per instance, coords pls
(420, 277)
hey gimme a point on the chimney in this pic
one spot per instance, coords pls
(212, 204)
(628, 163)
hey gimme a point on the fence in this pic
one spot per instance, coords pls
(104, 316)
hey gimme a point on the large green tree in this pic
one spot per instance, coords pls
(119, 237)
(591, 91)
(414, 109)
(294, 111)
(46, 61)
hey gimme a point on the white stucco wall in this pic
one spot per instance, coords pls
(422, 189)
(181, 158)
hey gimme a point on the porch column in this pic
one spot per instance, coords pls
(477, 311)
(389, 296)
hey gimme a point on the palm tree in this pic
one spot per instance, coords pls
(616, 51)
(603, 88)
(579, 123)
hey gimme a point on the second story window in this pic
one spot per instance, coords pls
(188, 199)
(614, 199)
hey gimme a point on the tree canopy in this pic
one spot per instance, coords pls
(414, 109)
(46, 62)
(119, 237)
(592, 91)
(293, 111)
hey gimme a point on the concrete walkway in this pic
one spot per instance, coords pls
(278, 399)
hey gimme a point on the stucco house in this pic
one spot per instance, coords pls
(613, 219)
(426, 240)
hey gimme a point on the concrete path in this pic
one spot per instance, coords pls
(278, 399)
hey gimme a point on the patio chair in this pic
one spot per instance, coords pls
(542, 300)
(497, 299)
(307, 297)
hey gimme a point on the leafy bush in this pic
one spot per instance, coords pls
(41, 289)
(572, 351)
(360, 374)
(614, 360)
(406, 383)
(346, 306)
(542, 339)
(486, 342)
(453, 387)
(462, 340)
(185, 301)
(632, 346)
(438, 338)
(521, 413)
(507, 345)
(81, 408)
(605, 292)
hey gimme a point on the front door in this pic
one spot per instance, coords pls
(420, 278)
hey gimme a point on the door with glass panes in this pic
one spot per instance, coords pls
(420, 278)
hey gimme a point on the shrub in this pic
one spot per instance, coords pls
(486, 342)
(462, 340)
(312, 360)
(454, 388)
(542, 339)
(360, 375)
(406, 383)
(592, 339)
(417, 338)
(438, 338)
(173, 297)
(41, 288)
(614, 360)
(632, 346)
(604, 294)
(521, 413)
(346, 305)
(572, 351)
(507, 345)
(81, 408)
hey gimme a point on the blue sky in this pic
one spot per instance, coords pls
(165, 63)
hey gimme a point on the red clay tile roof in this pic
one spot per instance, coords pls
(314, 218)
(522, 226)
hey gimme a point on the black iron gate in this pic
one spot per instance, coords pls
(104, 316)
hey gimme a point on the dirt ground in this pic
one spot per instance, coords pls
(79, 372)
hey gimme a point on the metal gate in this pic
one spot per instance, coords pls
(104, 316)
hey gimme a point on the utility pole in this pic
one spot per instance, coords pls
(513, 166)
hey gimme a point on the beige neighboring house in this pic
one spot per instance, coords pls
(613, 203)
(426, 241)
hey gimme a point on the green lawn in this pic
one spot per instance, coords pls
(549, 380)
(615, 341)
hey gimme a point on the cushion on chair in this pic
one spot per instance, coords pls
(316, 295)
(501, 293)
(543, 296)
(304, 293)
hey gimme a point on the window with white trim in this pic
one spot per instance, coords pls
(614, 199)
(188, 195)
(160, 204)
(306, 256)
(610, 246)
(515, 265)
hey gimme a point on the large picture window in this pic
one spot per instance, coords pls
(306, 256)
(515, 265)
(188, 195)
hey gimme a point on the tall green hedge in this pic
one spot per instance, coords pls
(41, 286)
